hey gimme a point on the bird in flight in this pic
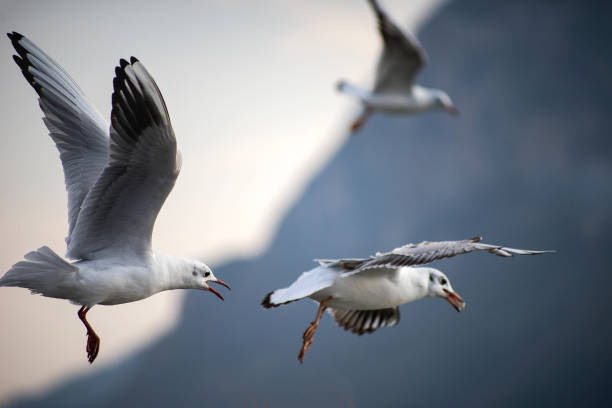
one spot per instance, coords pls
(117, 181)
(395, 90)
(363, 294)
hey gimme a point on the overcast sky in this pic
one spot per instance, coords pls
(250, 91)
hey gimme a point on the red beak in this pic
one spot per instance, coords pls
(220, 282)
(454, 299)
(216, 293)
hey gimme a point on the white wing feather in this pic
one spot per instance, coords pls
(119, 212)
(79, 132)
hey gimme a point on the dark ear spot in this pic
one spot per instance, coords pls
(206, 274)
(194, 273)
(431, 277)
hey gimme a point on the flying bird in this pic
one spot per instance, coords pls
(395, 90)
(117, 181)
(363, 294)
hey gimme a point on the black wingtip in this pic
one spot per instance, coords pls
(266, 303)
(133, 60)
(14, 36)
(23, 65)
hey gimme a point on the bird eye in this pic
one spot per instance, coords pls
(206, 274)
(442, 281)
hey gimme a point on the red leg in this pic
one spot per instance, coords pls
(310, 331)
(93, 341)
(361, 120)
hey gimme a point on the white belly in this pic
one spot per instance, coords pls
(368, 291)
(393, 103)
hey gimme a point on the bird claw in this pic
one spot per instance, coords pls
(93, 346)
(307, 340)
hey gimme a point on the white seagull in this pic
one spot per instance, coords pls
(364, 294)
(394, 89)
(117, 182)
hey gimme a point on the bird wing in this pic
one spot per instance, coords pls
(308, 283)
(365, 321)
(79, 132)
(426, 252)
(402, 56)
(119, 212)
(343, 264)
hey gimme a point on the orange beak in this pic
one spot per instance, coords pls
(452, 110)
(220, 282)
(454, 299)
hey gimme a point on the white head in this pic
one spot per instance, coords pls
(440, 286)
(200, 275)
(443, 101)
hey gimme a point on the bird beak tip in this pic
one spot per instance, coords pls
(455, 300)
(215, 292)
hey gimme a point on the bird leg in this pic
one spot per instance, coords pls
(361, 120)
(93, 341)
(310, 331)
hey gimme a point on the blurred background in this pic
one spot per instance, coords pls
(271, 179)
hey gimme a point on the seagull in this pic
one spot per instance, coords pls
(394, 89)
(117, 181)
(363, 294)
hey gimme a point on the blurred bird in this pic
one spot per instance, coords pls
(363, 294)
(117, 182)
(394, 89)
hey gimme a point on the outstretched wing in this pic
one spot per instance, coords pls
(342, 264)
(426, 252)
(365, 321)
(402, 56)
(120, 210)
(79, 132)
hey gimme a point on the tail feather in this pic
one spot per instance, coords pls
(42, 273)
(267, 302)
(308, 283)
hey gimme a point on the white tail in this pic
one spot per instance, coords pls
(308, 283)
(42, 272)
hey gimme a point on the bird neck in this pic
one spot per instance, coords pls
(172, 272)
(414, 282)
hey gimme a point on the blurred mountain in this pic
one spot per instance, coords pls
(528, 164)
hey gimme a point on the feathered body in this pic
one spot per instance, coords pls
(117, 179)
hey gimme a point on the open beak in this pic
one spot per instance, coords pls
(220, 282)
(454, 299)
(452, 110)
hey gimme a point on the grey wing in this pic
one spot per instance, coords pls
(120, 210)
(365, 321)
(342, 264)
(426, 252)
(402, 56)
(79, 132)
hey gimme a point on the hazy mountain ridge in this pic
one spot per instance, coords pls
(527, 164)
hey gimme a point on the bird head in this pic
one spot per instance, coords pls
(440, 286)
(202, 276)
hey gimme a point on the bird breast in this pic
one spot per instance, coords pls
(372, 290)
